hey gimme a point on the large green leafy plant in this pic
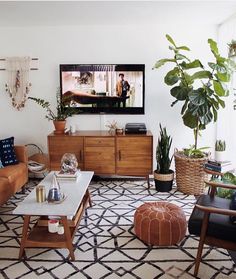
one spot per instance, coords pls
(200, 89)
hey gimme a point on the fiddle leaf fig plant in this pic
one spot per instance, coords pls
(198, 88)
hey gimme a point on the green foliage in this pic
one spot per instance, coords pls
(195, 153)
(62, 110)
(225, 193)
(227, 178)
(163, 152)
(220, 145)
(201, 90)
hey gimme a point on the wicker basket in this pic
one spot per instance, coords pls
(190, 174)
(36, 154)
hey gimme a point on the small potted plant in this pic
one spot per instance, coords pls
(163, 175)
(232, 48)
(62, 111)
(220, 147)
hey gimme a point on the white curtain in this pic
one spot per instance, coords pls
(226, 124)
(18, 84)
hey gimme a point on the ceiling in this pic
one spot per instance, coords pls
(33, 13)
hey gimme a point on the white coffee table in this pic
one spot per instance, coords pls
(70, 212)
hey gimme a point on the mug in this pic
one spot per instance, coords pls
(53, 225)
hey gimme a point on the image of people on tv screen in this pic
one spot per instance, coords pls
(122, 88)
(107, 88)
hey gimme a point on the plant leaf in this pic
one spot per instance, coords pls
(183, 48)
(184, 107)
(214, 114)
(161, 62)
(219, 90)
(201, 74)
(168, 37)
(221, 102)
(207, 118)
(172, 76)
(212, 65)
(194, 64)
(179, 92)
(197, 97)
(223, 77)
(190, 120)
(179, 56)
(214, 48)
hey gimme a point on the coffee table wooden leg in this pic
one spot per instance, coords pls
(89, 198)
(24, 235)
(68, 238)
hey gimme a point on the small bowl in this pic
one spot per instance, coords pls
(119, 131)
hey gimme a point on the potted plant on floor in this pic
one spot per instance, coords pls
(163, 175)
(63, 110)
(201, 91)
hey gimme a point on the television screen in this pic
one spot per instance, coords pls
(104, 88)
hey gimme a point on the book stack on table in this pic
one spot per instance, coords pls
(219, 166)
(67, 175)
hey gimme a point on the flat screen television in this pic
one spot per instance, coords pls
(104, 88)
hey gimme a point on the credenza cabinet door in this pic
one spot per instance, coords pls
(59, 145)
(99, 154)
(134, 155)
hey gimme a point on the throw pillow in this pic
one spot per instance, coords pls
(233, 207)
(7, 152)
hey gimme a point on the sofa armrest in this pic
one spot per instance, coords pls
(21, 153)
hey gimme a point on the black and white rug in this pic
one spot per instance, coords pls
(106, 246)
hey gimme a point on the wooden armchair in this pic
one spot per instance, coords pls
(210, 220)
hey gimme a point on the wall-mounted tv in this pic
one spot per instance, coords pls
(104, 88)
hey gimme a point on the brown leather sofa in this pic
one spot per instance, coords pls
(14, 177)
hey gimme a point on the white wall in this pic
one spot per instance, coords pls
(99, 44)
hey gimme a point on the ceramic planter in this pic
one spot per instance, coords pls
(59, 126)
(220, 156)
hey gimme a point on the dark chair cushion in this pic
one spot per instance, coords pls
(7, 152)
(219, 225)
(233, 207)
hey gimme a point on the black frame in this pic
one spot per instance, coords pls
(108, 110)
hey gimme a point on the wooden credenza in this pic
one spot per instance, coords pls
(104, 153)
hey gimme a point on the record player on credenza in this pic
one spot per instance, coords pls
(135, 128)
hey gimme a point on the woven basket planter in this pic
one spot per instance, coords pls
(190, 174)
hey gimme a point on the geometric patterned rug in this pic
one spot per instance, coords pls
(105, 243)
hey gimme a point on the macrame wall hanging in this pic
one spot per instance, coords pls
(18, 84)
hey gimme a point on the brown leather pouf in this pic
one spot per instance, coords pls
(160, 223)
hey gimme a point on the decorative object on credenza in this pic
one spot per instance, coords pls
(119, 131)
(220, 147)
(63, 110)
(163, 175)
(201, 91)
(18, 84)
(112, 126)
